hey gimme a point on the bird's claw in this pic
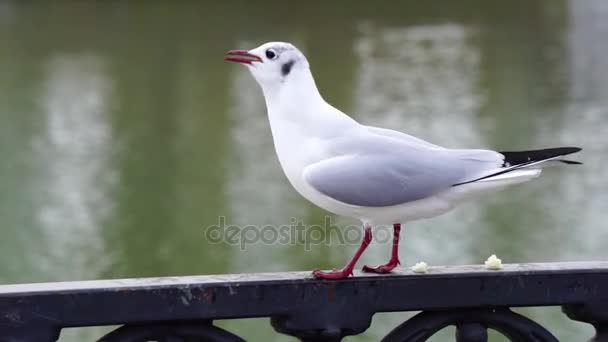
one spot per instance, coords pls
(334, 274)
(382, 269)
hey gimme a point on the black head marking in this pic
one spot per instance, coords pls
(286, 68)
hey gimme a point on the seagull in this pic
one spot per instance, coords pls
(377, 175)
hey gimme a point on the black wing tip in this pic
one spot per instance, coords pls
(523, 157)
(571, 162)
(565, 150)
(570, 149)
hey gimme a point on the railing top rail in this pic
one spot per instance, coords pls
(508, 270)
(298, 304)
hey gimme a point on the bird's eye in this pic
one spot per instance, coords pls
(271, 54)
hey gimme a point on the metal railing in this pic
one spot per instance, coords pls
(471, 298)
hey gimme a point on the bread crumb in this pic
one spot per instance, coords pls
(420, 267)
(493, 263)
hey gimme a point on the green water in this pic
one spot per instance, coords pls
(123, 134)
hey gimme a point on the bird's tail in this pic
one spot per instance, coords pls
(526, 164)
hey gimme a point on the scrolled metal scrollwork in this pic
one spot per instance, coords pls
(201, 331)
(471, 326)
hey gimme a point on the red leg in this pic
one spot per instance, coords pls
(348, 269)
(387, 268)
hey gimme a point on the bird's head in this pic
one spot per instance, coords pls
(273, 65)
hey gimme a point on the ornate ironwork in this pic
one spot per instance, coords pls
(471, 326)
(182, 308)
(202, 331)
(594, 313)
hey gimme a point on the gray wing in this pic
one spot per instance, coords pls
(401, 136)
(394, 173)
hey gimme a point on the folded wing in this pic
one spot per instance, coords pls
(386, 179)
(376, 167)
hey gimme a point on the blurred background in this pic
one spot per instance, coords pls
(123, 133)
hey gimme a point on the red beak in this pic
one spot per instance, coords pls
(241, 56)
